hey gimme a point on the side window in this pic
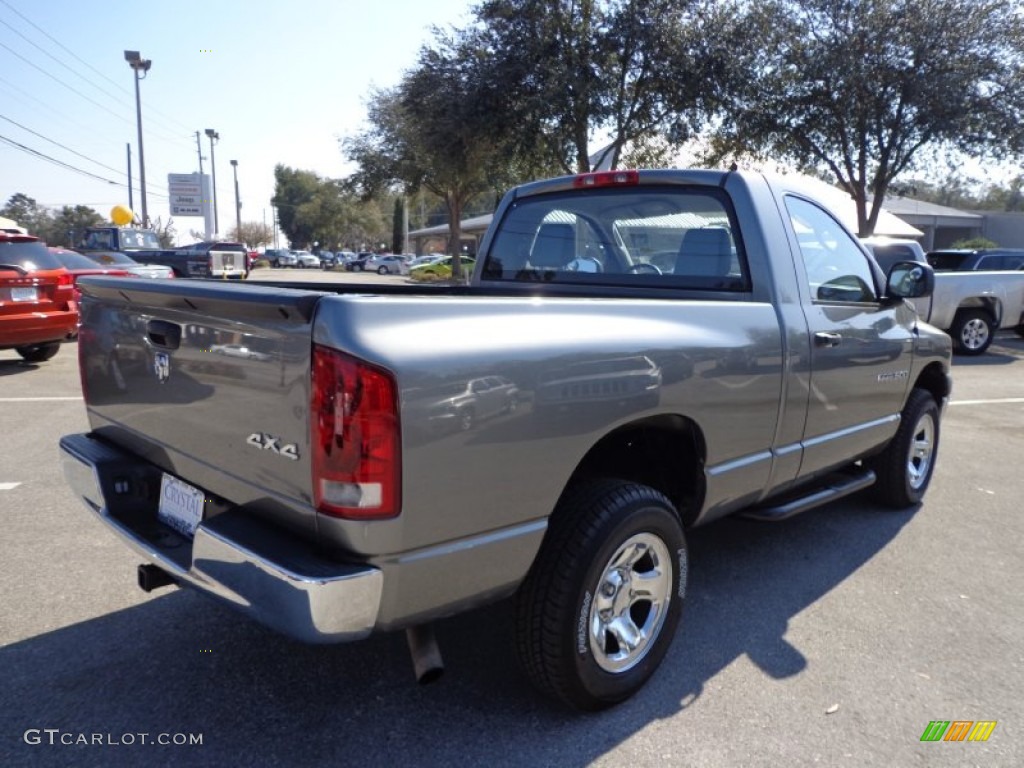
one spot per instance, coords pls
(837, 270)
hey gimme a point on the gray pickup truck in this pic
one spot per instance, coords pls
(665, 348)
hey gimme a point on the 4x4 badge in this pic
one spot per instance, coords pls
(273, 444)
(162, 366)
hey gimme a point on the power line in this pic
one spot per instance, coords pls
(78, 58)
(68, 166)
(61, 82)
(58, 144)
(54, 58)
(82, 95)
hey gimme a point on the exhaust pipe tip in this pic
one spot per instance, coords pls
(427, 663)
(153, 577)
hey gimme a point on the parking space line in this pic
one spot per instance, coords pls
(8, 486)
(40, 399)
(995, 401)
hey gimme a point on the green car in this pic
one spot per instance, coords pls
(441, 270)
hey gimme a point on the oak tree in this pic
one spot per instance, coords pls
(864, 89)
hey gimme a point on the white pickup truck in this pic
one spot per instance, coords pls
(969, 306)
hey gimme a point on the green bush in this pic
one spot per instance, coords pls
(974, 243)
(423, 276)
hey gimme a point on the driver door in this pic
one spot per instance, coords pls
(860, 348)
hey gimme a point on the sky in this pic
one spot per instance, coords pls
(279, 82)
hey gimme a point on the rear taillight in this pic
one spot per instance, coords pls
(66, 287)
(607, 179)
(355, 438)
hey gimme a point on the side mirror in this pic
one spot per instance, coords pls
(910, 280)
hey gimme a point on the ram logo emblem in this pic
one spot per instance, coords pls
(162, 366)
(273, 444)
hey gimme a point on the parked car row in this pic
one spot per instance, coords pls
(980, 259)
(364, 261)
(887, 251)
(39, 295)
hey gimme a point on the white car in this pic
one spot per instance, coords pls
(305, 259)
(387, 264)
(238, 350)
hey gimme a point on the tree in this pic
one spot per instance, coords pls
(253, 234)
(572, 71)
(27, 212)
(315, 210)
(398, 226)
(1009, 198)
(292, 189)
(165, 233)
(67, 225)
(862, 89)
(434, 131)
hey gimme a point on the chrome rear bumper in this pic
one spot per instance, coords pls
(260, 570)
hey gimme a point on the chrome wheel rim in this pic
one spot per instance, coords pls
(630, 603)
(922, 451)
(974, 334)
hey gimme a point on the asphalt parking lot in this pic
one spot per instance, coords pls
(833, 638)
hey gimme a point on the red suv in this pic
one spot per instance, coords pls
(37, 303)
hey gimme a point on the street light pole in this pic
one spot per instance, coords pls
(213, 168)
(238, 204)
(139, 64)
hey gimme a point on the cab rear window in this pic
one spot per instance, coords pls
(655, 237)
(29, 256)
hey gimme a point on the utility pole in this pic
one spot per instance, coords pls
(131, 205)
(213, 169)
(238, 204)
(207, 221)
(139, 64)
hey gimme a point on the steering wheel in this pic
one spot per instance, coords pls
(642, 266)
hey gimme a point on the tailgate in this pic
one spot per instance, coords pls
(210, 381)
(228, 263)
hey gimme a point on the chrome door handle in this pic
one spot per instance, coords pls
(823, 339)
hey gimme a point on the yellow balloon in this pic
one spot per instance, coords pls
(121, 215)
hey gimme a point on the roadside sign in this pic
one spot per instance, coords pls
(186, 191)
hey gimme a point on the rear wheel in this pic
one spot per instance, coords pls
(382, 270)
(972, 331)
(599, 608)
(38, 353)
(905, 467)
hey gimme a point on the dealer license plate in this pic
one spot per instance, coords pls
(23, 294)
(181, 505)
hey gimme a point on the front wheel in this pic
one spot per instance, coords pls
(905, 467)
(601, 603)
(972, 331)
(382, 270)
(38, 353)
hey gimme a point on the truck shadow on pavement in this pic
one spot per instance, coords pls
(11, 367)
(178, 663)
